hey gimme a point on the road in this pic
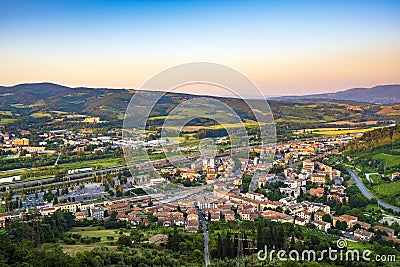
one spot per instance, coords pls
(205, 233)
(368, 194)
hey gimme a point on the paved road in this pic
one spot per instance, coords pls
(205, 233)
(206, 239)
(368, 194)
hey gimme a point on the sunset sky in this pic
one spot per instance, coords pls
(286, 47)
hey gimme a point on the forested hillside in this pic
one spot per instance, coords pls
(387, 138)
(50, 100)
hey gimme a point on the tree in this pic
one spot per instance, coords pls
(151, 217)
(118, 193)
(125, 240)
(327, 218)
(341, 225)
(174, 240)
(219, 246)
(356, 226)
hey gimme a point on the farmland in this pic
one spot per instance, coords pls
(337, 131)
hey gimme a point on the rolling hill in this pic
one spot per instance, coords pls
(381, 94)
(30, 101)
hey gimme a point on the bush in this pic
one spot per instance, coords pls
(76, 236)
(125, 240)
(69, 241)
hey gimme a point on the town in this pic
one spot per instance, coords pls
(199, 133)
(299, 189)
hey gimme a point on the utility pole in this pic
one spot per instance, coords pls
(251, 249)
(240, 251)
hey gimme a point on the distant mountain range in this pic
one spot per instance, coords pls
(381, 94)
(45, 100)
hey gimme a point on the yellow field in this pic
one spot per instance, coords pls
(5, 113)
(338, 131)
(59, 112)
(352, 123)
(248, 124)
(40, 115)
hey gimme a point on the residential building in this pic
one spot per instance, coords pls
(277, 216)
(364, 225)
(318, 192)
(80, 215)
(47, 211)
(300, 221)
(318, 178)
(245, 215)
(350, 220)
(122, 207)
(306, 215)
(69, 206)
(340, 197)
(321, 225)
(229, 216)
(98, 213)
(4, 217)
(389, 231)
(318, 215)
(362, 235)
(20, 142)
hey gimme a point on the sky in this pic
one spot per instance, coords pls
(285, 47)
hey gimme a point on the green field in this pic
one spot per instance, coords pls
(48, 171)
(360, 245)
(91, 232)
(288, 119)
(247, 124)
(388, 192)
(75, 249)
(98, 163)
(4, 121)
(387, 188)
(121, 116)
(390, 160)
(95, 231)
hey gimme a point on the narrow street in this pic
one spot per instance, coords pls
(205, 233)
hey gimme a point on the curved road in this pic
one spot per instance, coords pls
(368, 194)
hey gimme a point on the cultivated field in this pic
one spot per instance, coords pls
(338, 131)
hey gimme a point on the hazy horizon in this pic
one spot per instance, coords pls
(194, 91)
(286, 48)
